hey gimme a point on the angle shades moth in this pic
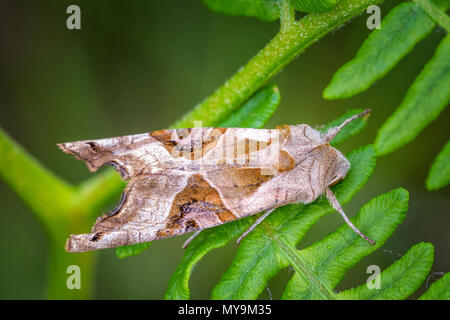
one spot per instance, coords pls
(186, 180)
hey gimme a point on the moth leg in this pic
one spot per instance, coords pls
(186, 243)
(253, 226)
(336, 205)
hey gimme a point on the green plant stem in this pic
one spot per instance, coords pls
(435, 13)
(302, 268)
(53, 201)
(287, 15)
(39, 188)
(284, 47)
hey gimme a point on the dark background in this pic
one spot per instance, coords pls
(137, 66)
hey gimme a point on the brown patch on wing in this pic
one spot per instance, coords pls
(285, 131)
(168, 139)
(236, 183)
(198, 206)
(189, 143)
(252, 146)
(286, 161)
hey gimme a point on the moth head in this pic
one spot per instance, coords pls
(338, 170)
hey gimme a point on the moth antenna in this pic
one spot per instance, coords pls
(336, 205)
(332, 132)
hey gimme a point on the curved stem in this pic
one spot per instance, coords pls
(284, 47)
(287, 15)
(39, 188)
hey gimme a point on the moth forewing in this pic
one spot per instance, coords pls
(191, 179)
(273, 153)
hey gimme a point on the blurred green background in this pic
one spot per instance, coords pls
(137, 66)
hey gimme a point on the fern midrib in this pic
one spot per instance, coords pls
(304, 269)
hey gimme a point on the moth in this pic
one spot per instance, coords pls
(186, 180)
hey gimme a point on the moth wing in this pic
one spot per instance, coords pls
(163, 203)
(140, 214)
(128, 154)
(134, 154)
(155, 207)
